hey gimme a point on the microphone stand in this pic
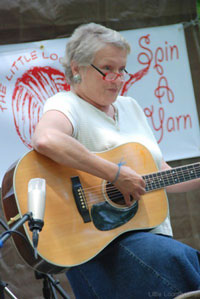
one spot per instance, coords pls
(49, 286)
(3, 224)
(3, 286)
(48, 279)
(4, 289)
(6, 235)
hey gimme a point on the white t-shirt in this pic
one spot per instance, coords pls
(99, 132)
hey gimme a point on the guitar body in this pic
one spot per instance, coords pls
(66, 240)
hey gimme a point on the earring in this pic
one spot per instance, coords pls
(77, 78)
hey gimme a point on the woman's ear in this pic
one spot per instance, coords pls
(76, 72)
(74, 67)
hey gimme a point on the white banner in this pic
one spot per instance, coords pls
(161, 83)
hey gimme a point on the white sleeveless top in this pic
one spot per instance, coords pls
(99, 132)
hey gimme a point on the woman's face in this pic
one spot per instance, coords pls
(93, 88)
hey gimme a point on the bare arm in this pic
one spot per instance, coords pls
(182, 187)
(53, 138)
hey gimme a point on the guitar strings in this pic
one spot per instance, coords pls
(114, 192)
(149, 182)
(102, 196)
(152, 180)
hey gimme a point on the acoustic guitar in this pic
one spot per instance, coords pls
(84, 213)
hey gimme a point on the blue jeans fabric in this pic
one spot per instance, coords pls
(138, 265)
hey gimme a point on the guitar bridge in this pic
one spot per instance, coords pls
(80, 199)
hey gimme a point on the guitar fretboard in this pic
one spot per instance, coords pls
(173, 176)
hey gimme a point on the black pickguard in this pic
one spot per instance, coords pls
(106, 217)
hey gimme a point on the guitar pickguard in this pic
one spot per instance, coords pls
(106, 217)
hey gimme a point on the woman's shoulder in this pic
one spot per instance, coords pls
(62, 101)
(62, 98)
(62, 95)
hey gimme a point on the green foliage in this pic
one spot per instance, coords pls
(198, 8)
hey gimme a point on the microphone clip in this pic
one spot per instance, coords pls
(35, 226)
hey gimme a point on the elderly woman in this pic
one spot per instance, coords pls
(92, 117)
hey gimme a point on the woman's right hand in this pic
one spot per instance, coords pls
(129, 183)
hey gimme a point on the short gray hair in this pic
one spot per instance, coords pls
(86, 40)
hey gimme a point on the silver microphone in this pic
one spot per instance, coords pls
(36, 205)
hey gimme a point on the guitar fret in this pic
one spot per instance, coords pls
(178, 173)
(154, 181)
(151, 182)
(171, 177)
(161, 180)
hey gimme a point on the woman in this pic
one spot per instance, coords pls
(93, 118)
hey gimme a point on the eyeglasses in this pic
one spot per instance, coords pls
(112, 76)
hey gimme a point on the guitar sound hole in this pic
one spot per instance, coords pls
(115, 195)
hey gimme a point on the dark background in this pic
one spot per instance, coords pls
(26, 21)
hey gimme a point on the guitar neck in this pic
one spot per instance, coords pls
(173, 176)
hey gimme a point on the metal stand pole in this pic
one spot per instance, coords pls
(3, 224)
(3, 286)
(6, 235)
(50, 284)
(4, 289)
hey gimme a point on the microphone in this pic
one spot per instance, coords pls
(36, 206)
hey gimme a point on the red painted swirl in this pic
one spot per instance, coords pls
(30, 93)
